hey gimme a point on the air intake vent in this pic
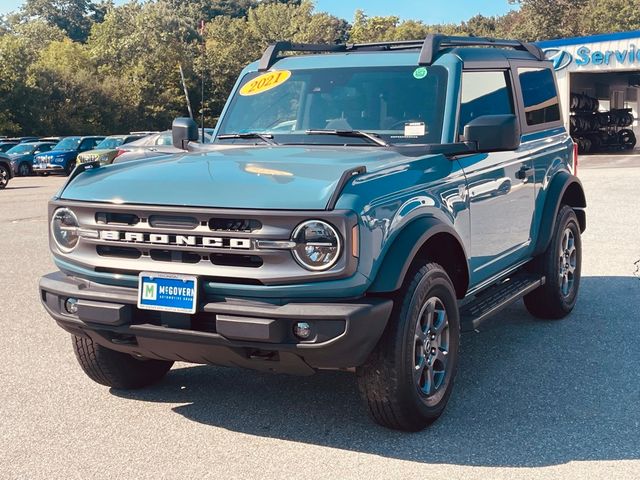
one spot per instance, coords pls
(173, 222)
(174, 256)
(231, 260)
(234, 225)
(118, 252)
(110, 218)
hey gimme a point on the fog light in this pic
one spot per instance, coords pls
(71, 305)
(302, 330)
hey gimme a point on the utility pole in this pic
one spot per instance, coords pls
(202, 50)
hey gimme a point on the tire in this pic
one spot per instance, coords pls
(68, 170)
(24, 169)
(5, 175)
(405, 384)
(557, 297)
(116, 369)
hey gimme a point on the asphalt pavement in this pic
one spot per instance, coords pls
(533, 399)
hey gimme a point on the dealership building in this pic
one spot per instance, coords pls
(598, 81)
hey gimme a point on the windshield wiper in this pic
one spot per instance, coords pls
(265, 137)
(351, 133)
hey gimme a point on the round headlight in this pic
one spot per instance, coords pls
(64, 228)
(317, 245)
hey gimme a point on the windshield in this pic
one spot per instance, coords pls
(401, 105)
(21, 149)
(109, 143)
(69, 143)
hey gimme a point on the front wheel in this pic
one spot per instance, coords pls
(561, 266)
(407, 380)
(4, 176)
(116, 369)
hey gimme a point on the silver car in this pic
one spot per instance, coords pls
(152, 146)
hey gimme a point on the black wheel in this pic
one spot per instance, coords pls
(561, 265)
(69, 168)
(4, 176)
(407, 380)
(117, 369)
(24, 169)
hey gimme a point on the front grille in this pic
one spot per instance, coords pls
(219, 245)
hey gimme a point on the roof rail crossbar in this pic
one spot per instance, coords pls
(429, 47)
(434, 43)
(271, 53)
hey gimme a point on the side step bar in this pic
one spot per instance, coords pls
(497, 297)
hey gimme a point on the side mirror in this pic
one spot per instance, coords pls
(183, 131)
(493, 132)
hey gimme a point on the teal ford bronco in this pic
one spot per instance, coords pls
(359, 207)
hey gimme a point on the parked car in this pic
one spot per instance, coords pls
(22, 154)
(62, 158)
(152, 146)
(5, 171)
(6, 145)
(107, 149)
(378, 199)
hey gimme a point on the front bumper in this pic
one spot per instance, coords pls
(228, 332)
(48, 167)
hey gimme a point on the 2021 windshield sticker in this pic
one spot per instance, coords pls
(265, 82)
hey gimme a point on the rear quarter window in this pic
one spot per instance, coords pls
(539, 96)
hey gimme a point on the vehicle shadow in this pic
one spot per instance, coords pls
(15, 187)
(529, 393)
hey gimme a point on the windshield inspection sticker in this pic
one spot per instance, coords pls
(414, 129)
(420, 73)
(265, 82)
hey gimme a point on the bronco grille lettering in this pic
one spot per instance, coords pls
(176, 240)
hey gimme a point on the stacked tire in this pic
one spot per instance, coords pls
(600, 131)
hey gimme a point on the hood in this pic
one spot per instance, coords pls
(281, 177)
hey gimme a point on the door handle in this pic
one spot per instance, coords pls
(524, 173)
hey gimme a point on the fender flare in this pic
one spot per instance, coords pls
(405, 247)
(560, 185)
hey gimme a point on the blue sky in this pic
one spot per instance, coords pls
(430, 11)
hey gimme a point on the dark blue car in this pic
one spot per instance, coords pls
(22, 155)
(62, 158)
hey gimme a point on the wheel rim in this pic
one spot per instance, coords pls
(567, 261)
(431, 347)
(4, 177)
(23, 170)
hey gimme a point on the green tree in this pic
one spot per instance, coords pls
(544, 19)
(74, 17)
(611, 16)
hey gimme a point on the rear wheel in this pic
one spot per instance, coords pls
(24, 169)
(407, 380)
(116, 369)
(561, 265)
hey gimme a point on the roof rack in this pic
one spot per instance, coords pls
(429, 47)
(434, 43)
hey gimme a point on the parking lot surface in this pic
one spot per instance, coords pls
(533, 399)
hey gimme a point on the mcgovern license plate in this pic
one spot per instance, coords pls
(167, 292)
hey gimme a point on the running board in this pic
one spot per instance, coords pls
(497, 297)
